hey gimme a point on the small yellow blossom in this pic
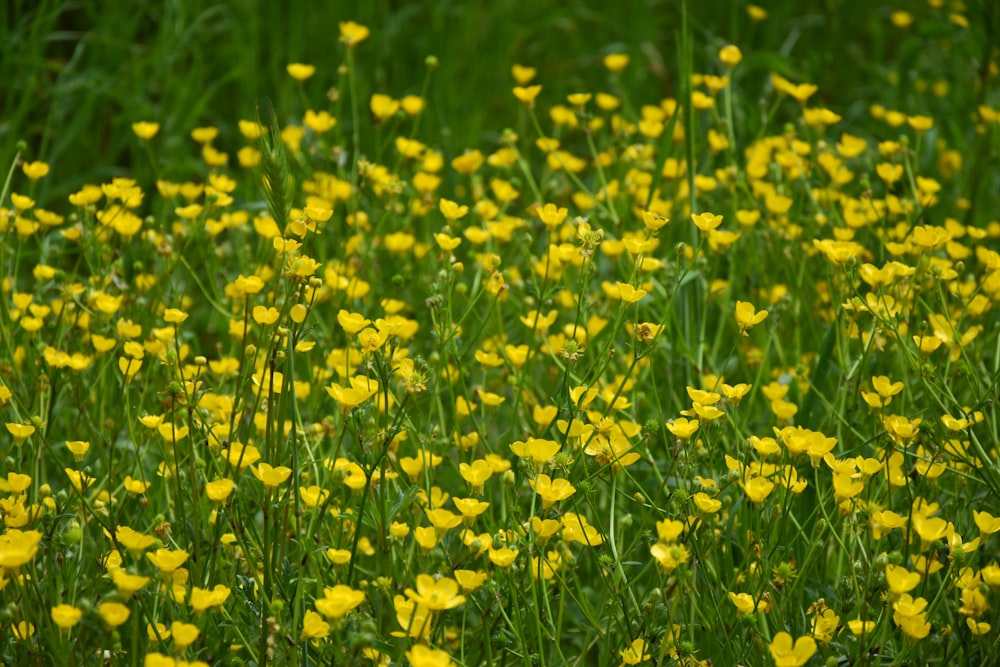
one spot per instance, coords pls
(706, 221)
(300, 71)
(35, 170)
(527, 94)
(747, 317)
(145, 130)
(352, 33)
(730, 55)
(787, 654)
(113, 613)
(66, 616)
(616, 62)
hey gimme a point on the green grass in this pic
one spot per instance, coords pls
(372, 343)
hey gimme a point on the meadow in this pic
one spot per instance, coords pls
(440, 333)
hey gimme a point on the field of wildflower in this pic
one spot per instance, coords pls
(441, 334)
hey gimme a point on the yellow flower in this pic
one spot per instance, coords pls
(23, 630)
(527, 94)
(747, 317)
(78, 479)
(503, 557)
(523, 74)
(616, 62)
(361, 389)
(885, 387)
(271, 477)
(683, 428)
(550, 490)
(435, 594)
(552, 215)
(338, 556)
(35, 170)
(352, 33)
(888, 172)
(241, 456)
(133, 540)
(352, 323)
(338, 601)
(539, 450)
(202, 599)
(861, 627)
(136, 486)
(446, 242)
(470, 580)
(757, 488)
(383, 107)
(189, 212)
(730, 55)
(204, 135)
(66, 616)
(167, 561)
(300, 71)
(786, 654)
(744, 602)
(16, 483)
(800, 92)
(638, 651)
(575, 528)
(669, 556)
(442, 519)
(21, 202)
(113, 613)
(313, 626)
(470, 507)
(987, 523)
(476, 474)
(706, 503)
(452, 211)
(901, 580)
(126, 583)
(20, 431)
(218, 490)
(652, 221)
(424, 656)
(706, 221)
(184, 634)
(929, 237)
(824, 624)
(145, 130)
(412, 104)
(629, 294)
(901, 19)
(426, 537)
(174, 316)
(977, 629)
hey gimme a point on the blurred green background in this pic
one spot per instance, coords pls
(76, 74)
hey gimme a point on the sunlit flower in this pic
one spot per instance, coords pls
(113, 613)
(166, 560)
(271, 476)
(616, 62)
(338, 600)
(145, 130)
(787, 654)
(435, 594)
(300, 71)
(352, 33)
(747, 317)
(66, 616)
(551, 491)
